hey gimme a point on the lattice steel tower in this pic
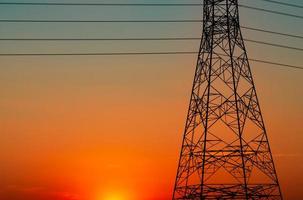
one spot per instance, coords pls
(225, 152)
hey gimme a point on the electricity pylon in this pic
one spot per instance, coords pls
(225, 152)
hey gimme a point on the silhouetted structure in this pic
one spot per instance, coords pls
(225, 152)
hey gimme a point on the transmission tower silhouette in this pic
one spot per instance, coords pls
(225, 151)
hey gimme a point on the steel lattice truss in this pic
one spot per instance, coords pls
(225, 152)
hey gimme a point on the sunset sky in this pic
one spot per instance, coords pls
(110, 128)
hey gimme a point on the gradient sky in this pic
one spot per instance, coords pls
(110, 128)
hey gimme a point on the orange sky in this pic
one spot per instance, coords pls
(110, 128)
(79, 135)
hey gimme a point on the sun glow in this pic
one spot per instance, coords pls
(113, 195)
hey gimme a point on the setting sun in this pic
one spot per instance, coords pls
(114, 197)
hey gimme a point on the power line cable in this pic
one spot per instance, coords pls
(100, 39)
(274, 45)
(142, 39)
(124, 4)
(275, 63)
(283, 3)
(244, 27)
(97, 54)
(139, 53)
(272, 11)
(98, 21)
(98, 4)
(147, 4)
(135, 21)
(272, 32)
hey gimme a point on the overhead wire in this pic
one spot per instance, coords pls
(138, 53)
(139, 4)
(142, 39)
(272, 11)
(144, 21)
(274, 45)
(272, 32)
(243, 27)
(97, 4)
(99, 21)
(284, 3)
(125, 4)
